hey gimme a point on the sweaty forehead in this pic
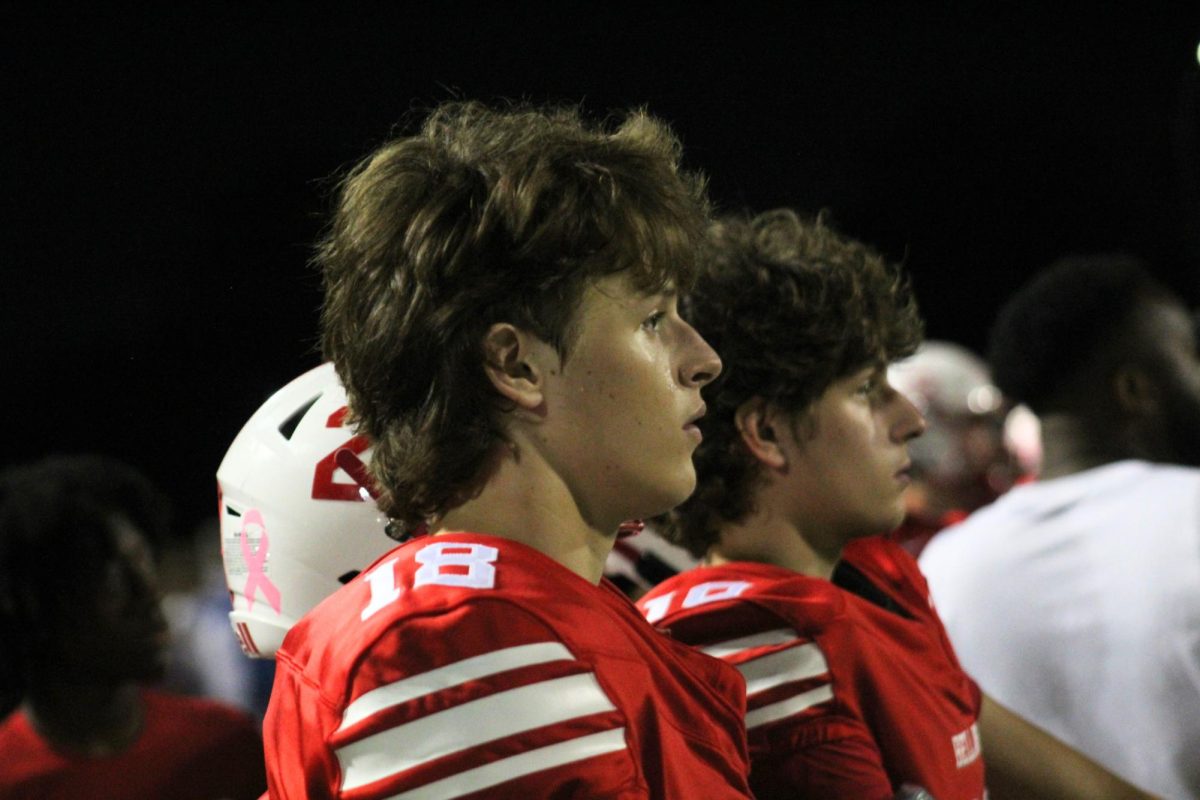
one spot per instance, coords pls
(623, 287)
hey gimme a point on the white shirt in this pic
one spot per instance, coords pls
(1076, 603)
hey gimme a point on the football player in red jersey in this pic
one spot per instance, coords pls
(853, 689)
(500, 305)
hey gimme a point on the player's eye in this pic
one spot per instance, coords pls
(654, 321)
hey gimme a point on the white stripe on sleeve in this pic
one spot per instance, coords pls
(783, 666)
(786, 708)
(495, 716)
(543, 758)
(454, 674)
(764, 639)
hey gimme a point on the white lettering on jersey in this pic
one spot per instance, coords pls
(713, 591)
(657, 608)
(698, 595)
(966, 746)
(384, 590)
(476, 558)
(442, 563)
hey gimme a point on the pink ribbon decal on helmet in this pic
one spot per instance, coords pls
(256, 575)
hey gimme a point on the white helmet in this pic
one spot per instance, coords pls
(967, 439)
(294, 525)
(946, 378)
(963, 441)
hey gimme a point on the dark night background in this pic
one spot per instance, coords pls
(164, 169)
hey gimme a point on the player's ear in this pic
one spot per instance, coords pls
(515, 361)
(1135, 390)
(756, 422)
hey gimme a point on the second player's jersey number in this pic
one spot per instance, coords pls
(698, 595)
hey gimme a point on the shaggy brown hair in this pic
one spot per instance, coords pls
(791, 306)
(481, 216)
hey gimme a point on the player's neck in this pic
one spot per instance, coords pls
(1068, 447)
(525, 501)
(90, 720)
(767, 537)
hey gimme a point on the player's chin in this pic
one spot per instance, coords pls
(670, 493)
(892, 517)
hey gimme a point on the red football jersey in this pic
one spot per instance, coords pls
(466, 665)
(190, 749)
(847, 697)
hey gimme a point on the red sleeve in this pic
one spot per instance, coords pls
(849, 766)
(804, 743)
(481, 700)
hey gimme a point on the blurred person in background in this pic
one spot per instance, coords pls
(976, 446)
(82, 637)
(1075, 599)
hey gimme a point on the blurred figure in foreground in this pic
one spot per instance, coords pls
(82, 633)
(1075, 600)
(976, 446)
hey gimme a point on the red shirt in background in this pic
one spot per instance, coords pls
(189, 749)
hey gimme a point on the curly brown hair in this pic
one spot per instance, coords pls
(791, 306)
(485, 215)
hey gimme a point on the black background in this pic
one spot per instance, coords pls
(164, 169)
